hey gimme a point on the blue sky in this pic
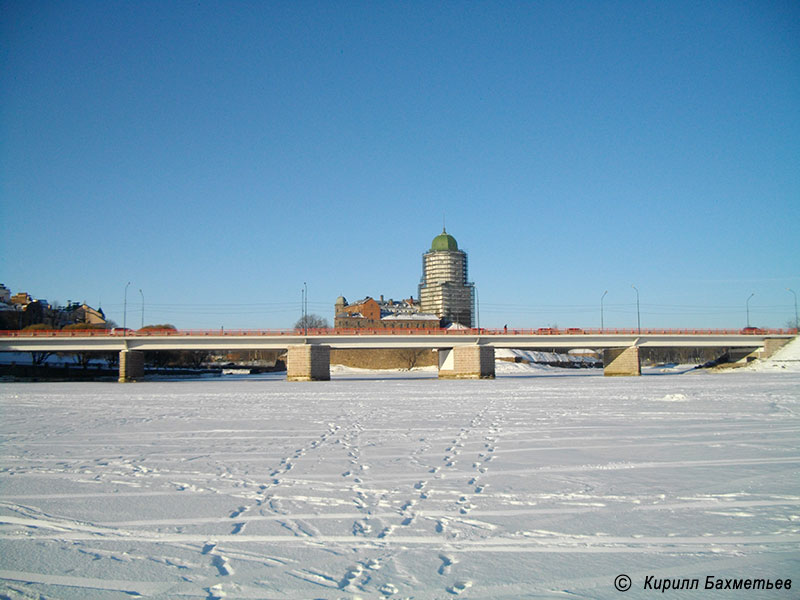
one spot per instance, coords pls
(219, 155)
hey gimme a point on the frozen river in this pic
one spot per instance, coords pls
(544, 486)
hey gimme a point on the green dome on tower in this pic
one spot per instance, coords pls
(444, 241)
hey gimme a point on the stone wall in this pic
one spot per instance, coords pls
(394, 358)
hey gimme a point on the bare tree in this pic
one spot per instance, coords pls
(194, 358)
(411, 356)
(311, 322)
(38, 358)
(83, 358)
(111, 358)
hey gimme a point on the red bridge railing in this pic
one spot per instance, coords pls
(398, 331)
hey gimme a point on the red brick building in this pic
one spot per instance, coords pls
(382, 314)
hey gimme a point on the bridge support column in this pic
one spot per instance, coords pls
(131, 365)
(772, 345)
(467, 362)
(621, 361)
(306, 362)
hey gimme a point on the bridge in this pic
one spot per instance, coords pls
(463, 353)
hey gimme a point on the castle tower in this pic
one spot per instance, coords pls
(444, 289)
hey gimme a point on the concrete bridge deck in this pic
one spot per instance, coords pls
(309, 351)
(102, 340)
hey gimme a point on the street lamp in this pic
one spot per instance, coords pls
(638, 314)
(602, 325)
(478, 307)
(142, 294)
(304, 308)
(125, 310)
(748, 308)
(796, 326)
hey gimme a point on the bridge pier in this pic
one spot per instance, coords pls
(131, 365)
(466, 362)
(306, 362)
(772, 345)
(622, 362)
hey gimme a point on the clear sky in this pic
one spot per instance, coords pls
(219, 155)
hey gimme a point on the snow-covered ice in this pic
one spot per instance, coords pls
(546, 483)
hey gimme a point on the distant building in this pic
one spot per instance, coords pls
(411, 321)
(74, 313)
(21, 299)
(368, 309)
(444, 289)
(446, 298)
(86, 314)
(382, 314)
(11, 313)
(21, 310)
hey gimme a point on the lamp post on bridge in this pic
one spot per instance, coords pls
(304, 308)
(747, 304)
(142, 294)
(638, 314)
(602, 325)
(796, 326)
(478, 307)
(125, 311)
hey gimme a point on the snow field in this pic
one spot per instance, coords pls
(540, 486)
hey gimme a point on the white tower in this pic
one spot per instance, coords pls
(444, 289)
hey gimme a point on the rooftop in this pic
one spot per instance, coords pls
(444, 241)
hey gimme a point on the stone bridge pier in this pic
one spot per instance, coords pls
(772, 345)
(131, 365)
(622, 362)
(467, 362)
(307, 362)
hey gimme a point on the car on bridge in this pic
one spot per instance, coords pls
(753, 331)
